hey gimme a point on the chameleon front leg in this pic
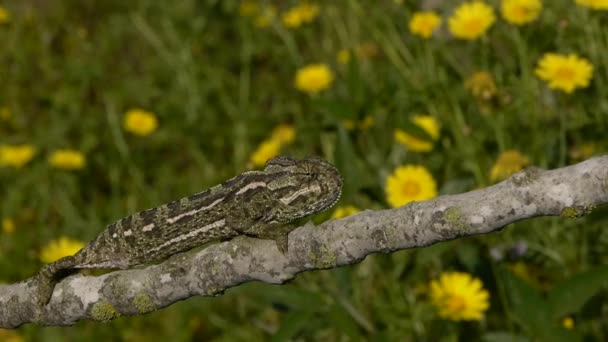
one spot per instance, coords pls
(50, 274)
(279, 232)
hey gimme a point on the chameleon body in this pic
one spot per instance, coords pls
(259, 204)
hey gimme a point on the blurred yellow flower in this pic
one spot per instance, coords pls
(519, 12)
(284, 134)
(265, 18)
(8, 225)
(300, 14)
(459, 297)
(568, 323)
(268, 149)
(429, 124)
(595, 4)
(564, 72)
(248, 8)
(5, 16)
(409, 183)
(582, 151)
(482, 85)
(140, 122)
(60, 248)
(343, 56)
(313, 78)
(424, 23)
(67, 159)
(471, 20)
(341, 212)
(7, 335)
(509, 162)
(16, 155)
(5, 113)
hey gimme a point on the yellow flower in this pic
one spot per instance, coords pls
(424, 23)
(595, 4)
(7, 335)
(269, 148)
(459, 297)
(300, 14)
(568, 323)
(16, 155)
(5, 113)
(284, 134)
(582, 151)
(67, 159)
(341, 212)
(265, 18)
(508, 163)
(140, 122)
(564, 72)
(248, 8)
(519, 12)
(471, 20)
(343, 56)
(5, 16)
(313, 78)
(415, 144)
(60, 248)
(8, 225)
(482, 85)
(409, 183)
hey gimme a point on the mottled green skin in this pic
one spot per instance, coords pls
(259, 204)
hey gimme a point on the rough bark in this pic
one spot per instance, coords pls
(568, 192)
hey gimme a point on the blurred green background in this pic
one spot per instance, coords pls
(213, 86)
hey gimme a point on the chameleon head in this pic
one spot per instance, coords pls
(305, 186)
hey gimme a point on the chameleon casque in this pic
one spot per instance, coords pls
(259, 204)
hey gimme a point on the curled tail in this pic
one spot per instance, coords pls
(50, 274)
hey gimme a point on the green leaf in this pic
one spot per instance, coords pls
(503, 336)
(533, 312)
(342, 320)
(346, 162)
(292, 324)
(570, 295)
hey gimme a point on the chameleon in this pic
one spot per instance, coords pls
(261, 204)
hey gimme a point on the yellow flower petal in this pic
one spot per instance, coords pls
(565, 72)
(594, 4)
(459, 297)
(345, 211)
(519, 12)
(314, 78)
(60, 248)
(509, 162)
(16, 156)
(424, 23)
(471, 20)
(67, 159)
(429, 124)
(140, 122)
(409, 183)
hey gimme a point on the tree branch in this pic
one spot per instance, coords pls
(570, 192)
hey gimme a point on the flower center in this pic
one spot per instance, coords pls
(473, 25)
(456, 303)
(410, 188)
(565, 73)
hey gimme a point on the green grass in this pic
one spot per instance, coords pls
(218, 84)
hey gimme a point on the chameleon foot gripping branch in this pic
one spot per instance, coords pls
(261, 204)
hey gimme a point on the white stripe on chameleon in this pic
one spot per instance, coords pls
(148, 227)
(216, 224)
(194, 211)
(292, 197)
(251, 186)
(128, 232)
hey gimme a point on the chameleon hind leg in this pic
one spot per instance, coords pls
(50, 274)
